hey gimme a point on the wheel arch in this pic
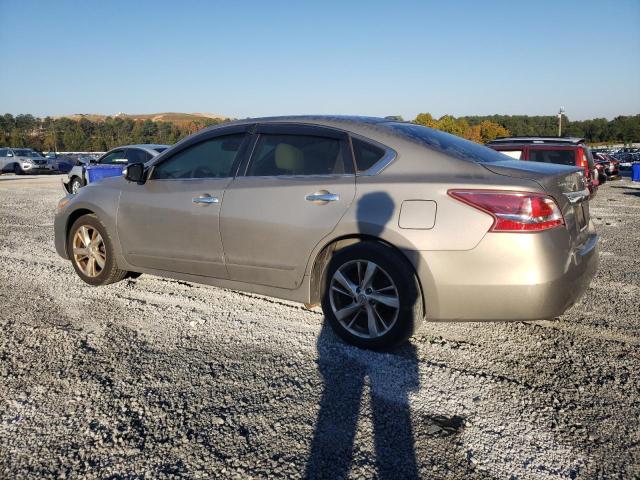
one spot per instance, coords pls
(326, 253)
(73, 216)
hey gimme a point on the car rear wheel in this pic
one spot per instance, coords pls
(76, 184)
(17, 169)
(372, 298)
(91, 251)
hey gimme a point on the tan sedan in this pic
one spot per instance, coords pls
(384, 223)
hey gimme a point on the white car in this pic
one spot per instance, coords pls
(24, 160)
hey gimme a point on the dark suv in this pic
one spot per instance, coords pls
(564, 151)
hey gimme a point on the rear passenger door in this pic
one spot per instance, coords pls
(291, 194)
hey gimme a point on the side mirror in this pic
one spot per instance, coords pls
(9, 154)
(135, 173)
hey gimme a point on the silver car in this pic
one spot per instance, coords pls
(383, 223)
(24, 160)
(110, 164)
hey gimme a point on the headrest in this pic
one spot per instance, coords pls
(289, 158)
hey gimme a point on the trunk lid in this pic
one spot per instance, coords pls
(565, 184)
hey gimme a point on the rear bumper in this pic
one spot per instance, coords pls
(507, 277)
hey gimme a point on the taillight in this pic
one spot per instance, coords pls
(513, 211)
(583, 162)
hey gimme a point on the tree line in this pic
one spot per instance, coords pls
(622, 129)
(71, 135)
(67, 134)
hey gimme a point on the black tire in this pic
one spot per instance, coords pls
(17, 169)
(397, 267)
(75, 185)
(110, 273)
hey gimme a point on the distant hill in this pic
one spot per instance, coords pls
(173, 117)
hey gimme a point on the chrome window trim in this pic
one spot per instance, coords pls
(387, 159)
(186, 179)
(299, 177)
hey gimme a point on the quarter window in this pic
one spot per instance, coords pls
(366, 155)
(213, 158)
(285, 155)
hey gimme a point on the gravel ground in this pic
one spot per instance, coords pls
(161, 378)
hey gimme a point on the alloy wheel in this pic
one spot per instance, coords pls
(89, 252)
(364, 299)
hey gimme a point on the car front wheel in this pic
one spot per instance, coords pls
(372, 298)
(17, 169)
(91, 251)
(76, 184)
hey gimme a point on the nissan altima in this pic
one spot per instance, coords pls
(383, 223)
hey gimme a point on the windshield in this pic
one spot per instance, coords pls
(449, 144)
(26, 152)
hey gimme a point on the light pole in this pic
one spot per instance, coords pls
(560, 113)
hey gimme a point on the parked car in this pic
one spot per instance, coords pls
(607, 166)
(110, 164)
(626, 159)
(382, 222)
(61, 163)
(24, 160)
(560, 150)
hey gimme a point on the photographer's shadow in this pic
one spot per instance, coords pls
(391, 377)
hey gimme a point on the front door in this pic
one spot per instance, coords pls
(171, 222)
(297, 185)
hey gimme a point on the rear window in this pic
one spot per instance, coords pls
(366, 155)
(448, 144)
(560, 157)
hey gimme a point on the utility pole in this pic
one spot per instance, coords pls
(560, 113)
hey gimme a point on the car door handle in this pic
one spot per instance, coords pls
(322, 197)
(205, 199)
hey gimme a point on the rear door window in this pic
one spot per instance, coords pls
(548, 155)
(286, 155)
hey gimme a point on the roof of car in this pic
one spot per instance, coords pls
(350, 123)
(537, 140)
(315, 119)
(148, 146)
